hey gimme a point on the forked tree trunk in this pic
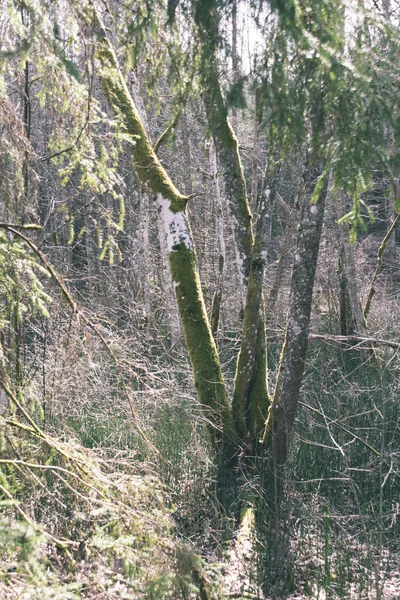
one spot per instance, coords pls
(250, 396)
(250, 379)
(286, 396)
(208, 379)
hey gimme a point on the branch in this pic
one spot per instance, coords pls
(333, 422)
(46, 467)
(62, 544)
(93, 327)
(355, 339)
(148, 167)
(168, 132)
(30, 226)
(381, 250)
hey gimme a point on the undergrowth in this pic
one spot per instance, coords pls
(89, 509)
(76, 525)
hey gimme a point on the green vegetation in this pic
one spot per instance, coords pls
(145, 453)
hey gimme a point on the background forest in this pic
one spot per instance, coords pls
(199, 299)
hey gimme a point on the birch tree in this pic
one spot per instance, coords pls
(171, 206)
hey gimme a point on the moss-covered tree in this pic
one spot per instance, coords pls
(303, 46)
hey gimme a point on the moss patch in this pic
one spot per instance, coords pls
(208, 379)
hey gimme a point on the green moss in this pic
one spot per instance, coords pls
(203, 355)
(148, 167)
(208, 379)
(258, 396)
(250, 397)
(231, 167)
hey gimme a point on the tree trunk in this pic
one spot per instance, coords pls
(172, 311)
(216, 303)
(351, 316)
(251, 378)
(208, 379)
(235, 60)
(145, 201)
(234, 183)
(250, 396)
(256, 150)
(347, 325)
(226, 144)
(27, 127)
(285, 400)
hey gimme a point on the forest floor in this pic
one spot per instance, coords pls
(315, 576)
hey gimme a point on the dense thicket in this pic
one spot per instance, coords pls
(198, 299)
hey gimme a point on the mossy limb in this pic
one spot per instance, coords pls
(208, 379)
(147, 166)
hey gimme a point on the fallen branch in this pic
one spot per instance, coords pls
(355, 339)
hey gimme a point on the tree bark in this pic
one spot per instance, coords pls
(234, 181)
(235, 60)
(226, 143)
(250, 378)
(144, 203)
(216, 303)
(256, 150)
(351, 316)
(283, 409)
(250, 396)
(208, 379)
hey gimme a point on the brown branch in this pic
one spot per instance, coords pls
(355, 339)
(381, 250)
(93, 327)
(333, 422)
